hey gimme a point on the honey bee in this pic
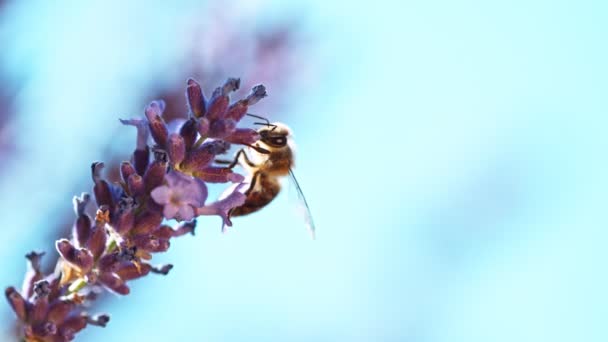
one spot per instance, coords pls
(270, 159)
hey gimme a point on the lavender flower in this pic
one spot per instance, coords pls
(115, 247)
(180, 195)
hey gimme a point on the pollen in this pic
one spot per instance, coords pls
(102, 216)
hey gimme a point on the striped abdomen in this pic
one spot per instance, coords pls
(262, 191)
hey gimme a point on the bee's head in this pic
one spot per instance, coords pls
(275, 135)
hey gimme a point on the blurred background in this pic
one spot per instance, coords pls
(453, 154)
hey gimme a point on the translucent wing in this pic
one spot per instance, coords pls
(303, 204)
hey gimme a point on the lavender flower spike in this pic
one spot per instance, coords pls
(180, 196)
(116, 245)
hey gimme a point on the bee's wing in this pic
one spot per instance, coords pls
(303, 205)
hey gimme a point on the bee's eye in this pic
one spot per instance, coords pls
(280, 141)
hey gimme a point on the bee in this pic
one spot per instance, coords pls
(270, 159)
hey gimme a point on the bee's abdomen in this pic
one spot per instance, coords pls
(257, 198)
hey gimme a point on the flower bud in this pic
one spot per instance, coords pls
(151, 243)
(125, 221)
(17, 302)
(102, 191)
(188, 132)
(126, 170)
(136, 186)
(59, 310)
(204, 155)
(80, 258)
(237, 110)
(243, 136)
(97, 242)
(82, 224)
(158, 128)
(222, 128)
(217, 105)
(130, 271)
(258, 92)
(147, 222)
(196, 98)
(154, 175)
(71, 326)
(141, 159)
(44, 329)
(113, 283)
(176, 149)
(202, 127)
(213, 174)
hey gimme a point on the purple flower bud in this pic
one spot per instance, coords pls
(188, 132)
(258, 92)
(196, 98)
(202, 126)
(71, 326)
(108, 262)
(17, 302)
(243, 136)
(82, 224)
(136, 186)
(154, 175)
(141, 159)
(237, 110)
(130, 271)
(125, 221)
(163, 232)
(142, 132)
(176, 149)
(39, 309)
(97, 242)
(222, 128)
(44, 329)
(102, 191)
(146, 222)
(151, 243)
(158, 128)
(126, 170)
(204, 155)
(217, 105)
(79, 258)
(213, 174)
(33, 273)
(223, 206)
(59, 310)
(113, 283)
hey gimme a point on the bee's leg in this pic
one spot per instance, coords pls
(234, 162)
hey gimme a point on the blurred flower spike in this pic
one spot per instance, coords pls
(164, 180)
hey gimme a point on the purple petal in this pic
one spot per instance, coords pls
(195, 194)
(223, 206)
(161, 194)
(186, 213)
(170, 210)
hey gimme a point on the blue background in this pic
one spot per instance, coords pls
(453, 154)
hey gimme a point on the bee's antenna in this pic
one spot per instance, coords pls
(266, 122)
